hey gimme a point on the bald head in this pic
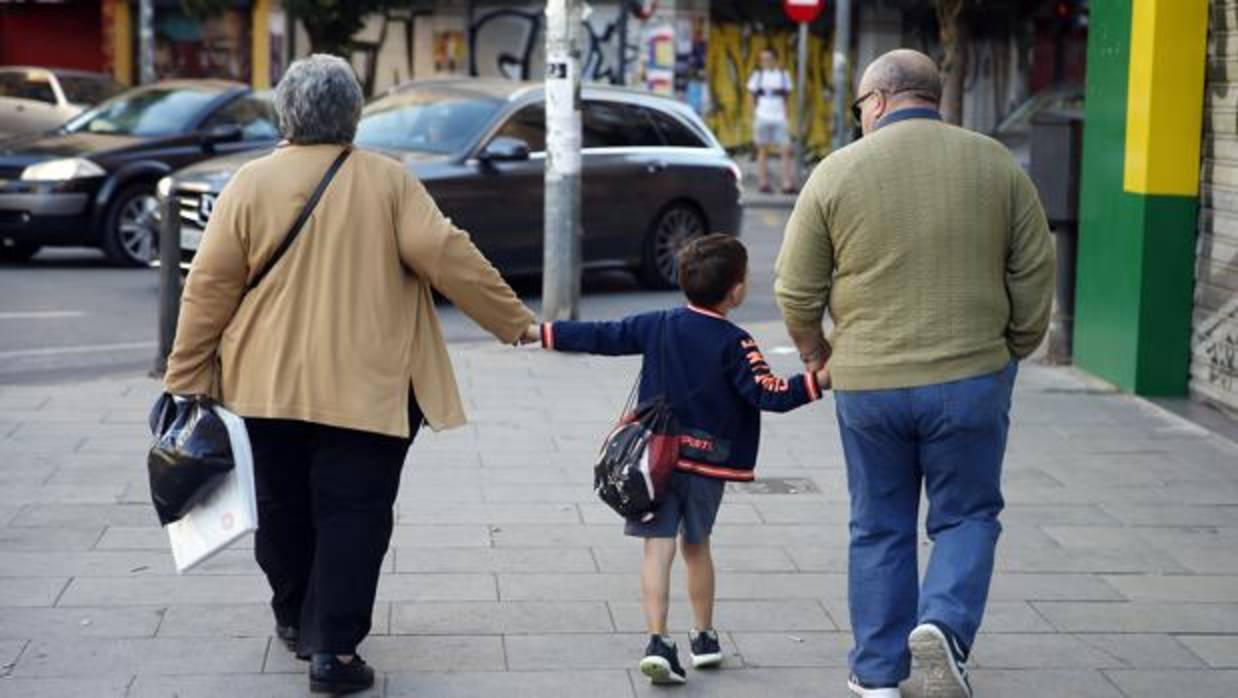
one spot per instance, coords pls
(898, 79)
(903, 71)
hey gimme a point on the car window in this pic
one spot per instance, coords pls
(529, 125)
(255, 117)
(616, 125)
(27, 85)
(425, 120)
(151, 111)
(674, 132)
(88, 89)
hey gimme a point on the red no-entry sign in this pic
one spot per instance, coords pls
(803, 10)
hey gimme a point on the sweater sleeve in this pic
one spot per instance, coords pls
(618, 338)
(436, 250)
(759, 387)
(805, 266)
(1029, 271)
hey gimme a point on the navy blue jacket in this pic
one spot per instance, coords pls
(710, 371)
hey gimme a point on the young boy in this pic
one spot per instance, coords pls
(717, 382)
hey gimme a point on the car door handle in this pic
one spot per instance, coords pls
(655, 167)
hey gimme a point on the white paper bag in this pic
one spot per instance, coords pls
(230, 513)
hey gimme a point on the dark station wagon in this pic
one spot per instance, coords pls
(653, 175)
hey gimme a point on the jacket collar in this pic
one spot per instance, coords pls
(909, 113)
(707, 312)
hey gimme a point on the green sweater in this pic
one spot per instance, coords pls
(929, 246)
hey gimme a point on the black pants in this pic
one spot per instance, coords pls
(325, 514)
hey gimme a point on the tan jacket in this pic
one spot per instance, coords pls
(345, 321)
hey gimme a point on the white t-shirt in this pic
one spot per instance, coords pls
(771, 88)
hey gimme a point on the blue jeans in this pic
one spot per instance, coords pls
(952, 437)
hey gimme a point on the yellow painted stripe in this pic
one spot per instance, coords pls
(1165, 96)
(260, 45)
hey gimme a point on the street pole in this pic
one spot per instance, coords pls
(562, 253)
(169, 280)
(801, 84)
(146, 41)
(842, 75)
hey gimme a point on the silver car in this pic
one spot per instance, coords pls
(36, 100)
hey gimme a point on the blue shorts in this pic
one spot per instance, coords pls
(690, 506)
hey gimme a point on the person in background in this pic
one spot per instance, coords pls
(768, 88)
(335, 358)
(929, 247)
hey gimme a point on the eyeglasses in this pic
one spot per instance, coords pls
(856, 112)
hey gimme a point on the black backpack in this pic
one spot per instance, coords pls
(637, 461)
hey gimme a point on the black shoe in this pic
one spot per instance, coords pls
(289, 635)
(661, 662)
(327, 674)
(704, 648)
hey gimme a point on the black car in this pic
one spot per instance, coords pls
(653, 177)
(92, 181)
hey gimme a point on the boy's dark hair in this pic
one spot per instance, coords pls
(710, 266)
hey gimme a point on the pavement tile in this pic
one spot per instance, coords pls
(239, 620)
(756, 683)
(30, 591)
(1051, 587)
(734, 616)
(1140, 617)
(437, 587)
(509, 617)
(69, 623)
(1147, 650)
(727, 558)
(440, 536)
(121, 591)
(1137, 683)
(148, 538)
(1039, 651)
(127, 657)
(48, 539)
(93, 687)
(1165, 514)
(516, 684)
(533, 560)
(1217, 651)
(1176, 588)
(593, 651)
(82, 515)
(10, 650)
(999, 617)
(490, 513)
(406, 654)
(214, 686)
(793, 649)
(1029, 683)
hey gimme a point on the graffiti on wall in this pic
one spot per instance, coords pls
(507, 43)
(734, 52)
(192, 47)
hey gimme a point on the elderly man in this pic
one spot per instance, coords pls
(929, 246)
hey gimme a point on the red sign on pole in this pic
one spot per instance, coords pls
(803, 10)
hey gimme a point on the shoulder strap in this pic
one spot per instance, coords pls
(299, 223)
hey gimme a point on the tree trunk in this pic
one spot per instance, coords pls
(955, 36)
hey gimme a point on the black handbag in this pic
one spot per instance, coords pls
(192, 451)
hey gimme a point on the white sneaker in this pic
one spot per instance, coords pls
(941, 661)
(864, 692)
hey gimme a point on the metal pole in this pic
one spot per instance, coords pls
(146, 41)
(562, 253)
(842, 73)
(169, 280)
(801, 84)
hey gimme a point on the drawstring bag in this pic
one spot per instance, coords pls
(637, 461)
(191, 456)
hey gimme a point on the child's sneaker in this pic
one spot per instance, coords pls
(661, 662)
(942, 661)
(704, 648)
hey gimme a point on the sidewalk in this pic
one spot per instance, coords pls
(1118, 569)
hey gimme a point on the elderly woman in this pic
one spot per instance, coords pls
(335, 357)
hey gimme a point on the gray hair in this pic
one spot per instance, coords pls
(318, 101)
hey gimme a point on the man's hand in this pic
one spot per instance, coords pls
(823, 378)
(813, 347)
(531, 335)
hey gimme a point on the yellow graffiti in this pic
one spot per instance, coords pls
(734, 53)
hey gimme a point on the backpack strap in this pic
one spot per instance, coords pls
(302, 217)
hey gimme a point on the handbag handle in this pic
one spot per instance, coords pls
(299, 223)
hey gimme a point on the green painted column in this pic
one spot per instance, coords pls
(1139, 196)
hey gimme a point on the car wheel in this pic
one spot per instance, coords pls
(677, 225)
(131, 224)
(18, 252)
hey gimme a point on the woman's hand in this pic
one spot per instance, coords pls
(823, 377)
(532, 334)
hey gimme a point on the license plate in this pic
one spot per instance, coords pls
(191, 238)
